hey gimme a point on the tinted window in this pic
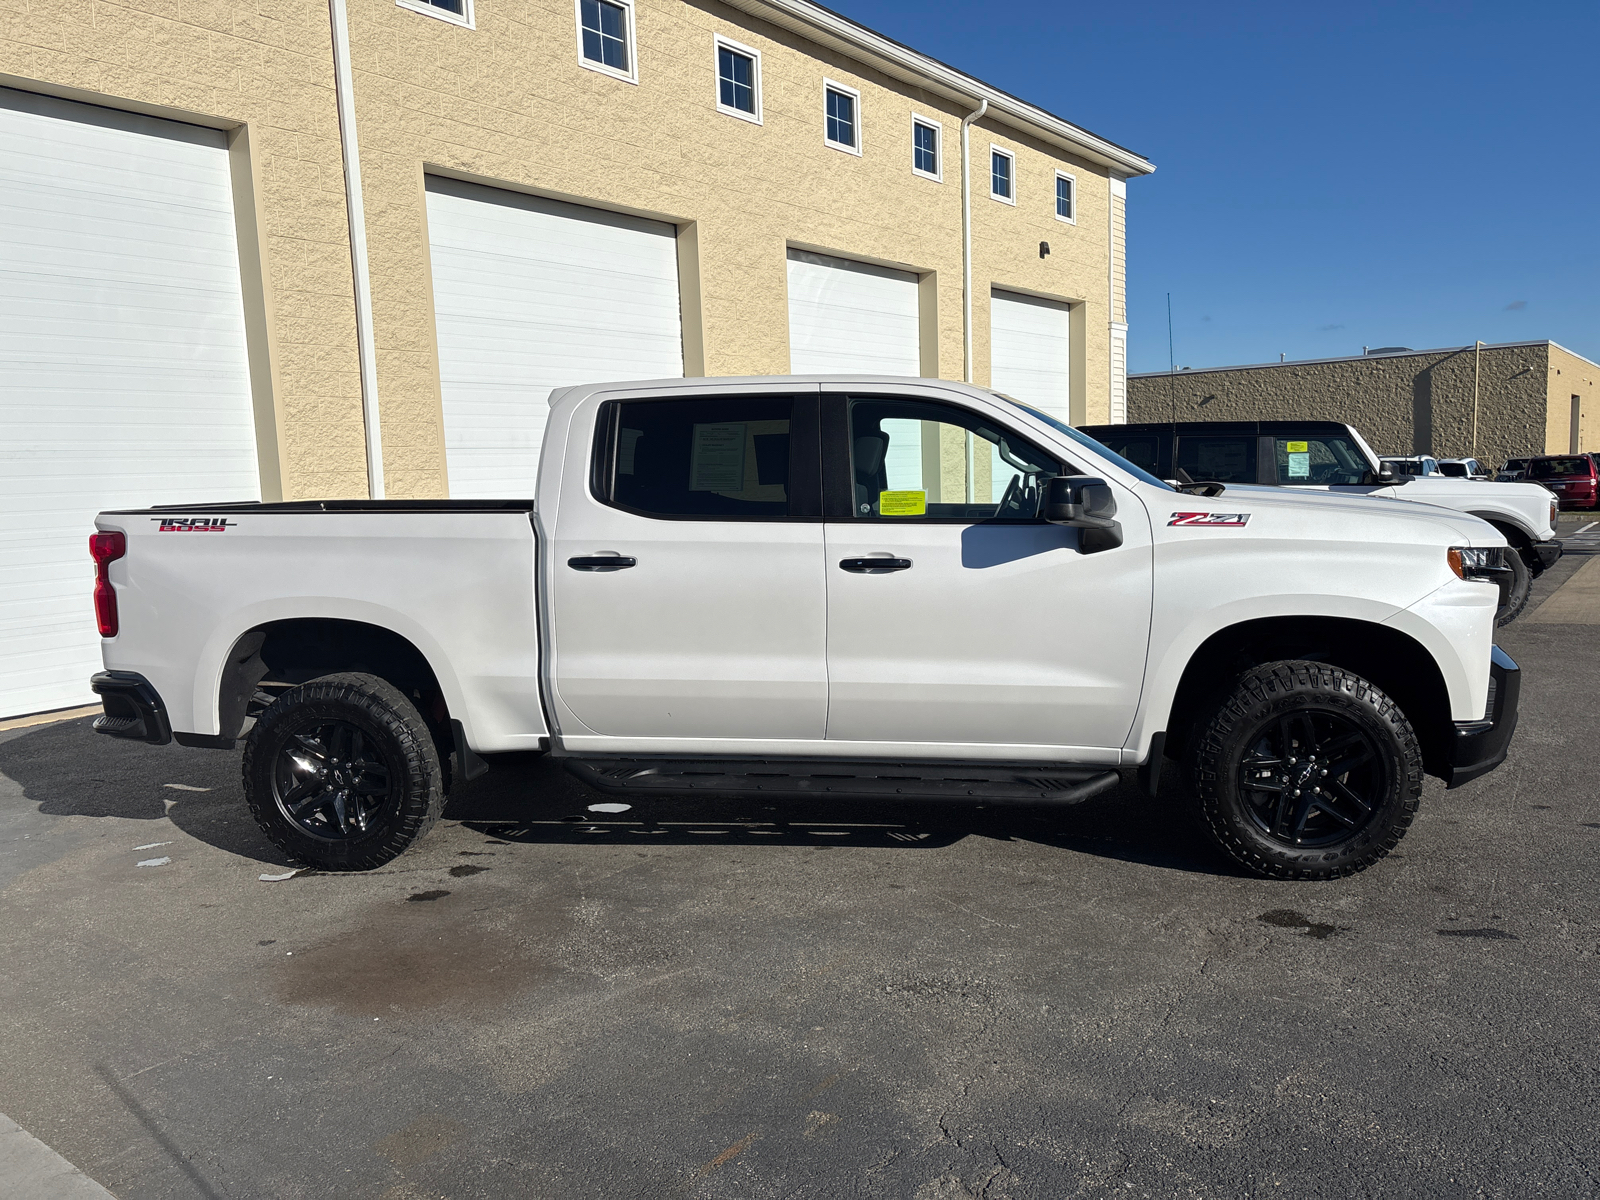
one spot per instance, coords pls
(736, 76)
(1324, 459)
(1141, 450)
(841, 118)
(1458, 470)
(1559, 468)
(605, 33)
(1083, 439)
(925, 148)
(1220, 459)
(912, 460)
(703, 458)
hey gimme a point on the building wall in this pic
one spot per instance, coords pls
(1402, 404)
(1571, 376)
(507, 103)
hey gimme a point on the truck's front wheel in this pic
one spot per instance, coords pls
(1521, 587)
(1307, 771)
(342, 773)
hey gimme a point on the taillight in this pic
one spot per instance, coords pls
(105, 549)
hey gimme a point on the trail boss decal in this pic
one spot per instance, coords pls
(1208, 518)
(195, 524)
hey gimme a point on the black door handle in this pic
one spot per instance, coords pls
(601, 562)
(871, 566)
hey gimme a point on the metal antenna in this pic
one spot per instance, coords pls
(1172, 369)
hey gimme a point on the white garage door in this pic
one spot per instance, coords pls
(530, 295)
(850, 316)
(1030, 342)
(123, 372)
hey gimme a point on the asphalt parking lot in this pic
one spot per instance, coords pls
(722, 999)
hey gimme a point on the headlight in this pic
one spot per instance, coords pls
(1472, 562)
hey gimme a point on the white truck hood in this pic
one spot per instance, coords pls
(1450, 528)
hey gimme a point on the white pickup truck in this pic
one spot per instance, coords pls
(1332, 456)
(859, 587)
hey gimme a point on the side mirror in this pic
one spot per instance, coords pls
(1387, 476)
(1086, 503)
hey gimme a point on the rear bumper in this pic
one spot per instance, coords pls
(1480, 746)
(133, 708)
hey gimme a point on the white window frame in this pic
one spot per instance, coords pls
(465, 19)
(938, 147)
(1011, 155)
(754, 55)
(829, 85)
(1073, 180)
(632, 74)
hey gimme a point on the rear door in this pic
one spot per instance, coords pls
(685, 583)
(958, 619)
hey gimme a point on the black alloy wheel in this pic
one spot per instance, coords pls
(343, 773)
(1306, 770)
(1312, 778)
(332, 781)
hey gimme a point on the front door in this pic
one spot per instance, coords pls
(956, 617)
(685, 572)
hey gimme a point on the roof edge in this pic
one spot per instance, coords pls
(1309, 362)
(824, 25)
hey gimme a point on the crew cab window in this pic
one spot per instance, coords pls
(911, 460)
(713, 457)
(1319, 459)
(1218, 459)
(1142, 450)
(1559, 468)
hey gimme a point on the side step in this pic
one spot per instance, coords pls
(996, 783)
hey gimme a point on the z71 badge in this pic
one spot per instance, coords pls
(1209, 518)
(195, 524)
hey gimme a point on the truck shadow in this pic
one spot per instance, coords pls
(68, 770)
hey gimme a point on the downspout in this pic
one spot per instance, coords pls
(1476, 347)
(966, 239)
(358, 246)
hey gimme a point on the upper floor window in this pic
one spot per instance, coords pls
(738, 80)
(843, 117)
(605, 37)
(1002, 175)
(1066, 197)
(925, 148)
(457, 12)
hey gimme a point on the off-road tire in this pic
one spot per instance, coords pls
(1521, 588)
(394, 732)
(1262, 700)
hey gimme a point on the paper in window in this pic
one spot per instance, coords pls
(717, 458)
(1300, 465)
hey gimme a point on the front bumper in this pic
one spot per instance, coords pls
(133, 708)
(1480, 746)
(1547, 553)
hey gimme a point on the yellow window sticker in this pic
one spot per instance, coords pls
(1299, 447)
(902, 504)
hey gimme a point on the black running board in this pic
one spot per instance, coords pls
(987, 784)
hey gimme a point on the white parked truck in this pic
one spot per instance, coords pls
(861, 587)
(1332, 456)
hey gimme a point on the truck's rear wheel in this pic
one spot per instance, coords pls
(1307, 771)
(342, 773)
(1521, 586)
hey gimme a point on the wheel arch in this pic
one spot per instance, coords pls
(1509, 528)
(294, 650)
(1392, 660)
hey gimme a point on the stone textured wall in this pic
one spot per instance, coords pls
(508, 103)
(1402, 404)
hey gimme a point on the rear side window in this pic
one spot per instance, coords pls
(1327, 459)
(712, 457)
(1218, 459)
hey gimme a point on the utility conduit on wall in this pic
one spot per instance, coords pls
(342, 86)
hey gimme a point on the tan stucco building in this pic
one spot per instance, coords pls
(500, 93)
(1526, 398)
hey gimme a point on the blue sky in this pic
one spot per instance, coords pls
(1328, 176)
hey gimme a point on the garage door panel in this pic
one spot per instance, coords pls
(531, 295)
(124, 377)
(1030, 342)
(848, 316)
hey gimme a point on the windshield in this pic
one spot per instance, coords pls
(1089, 443)
(1559, 468)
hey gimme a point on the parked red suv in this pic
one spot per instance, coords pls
(1572, 477)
